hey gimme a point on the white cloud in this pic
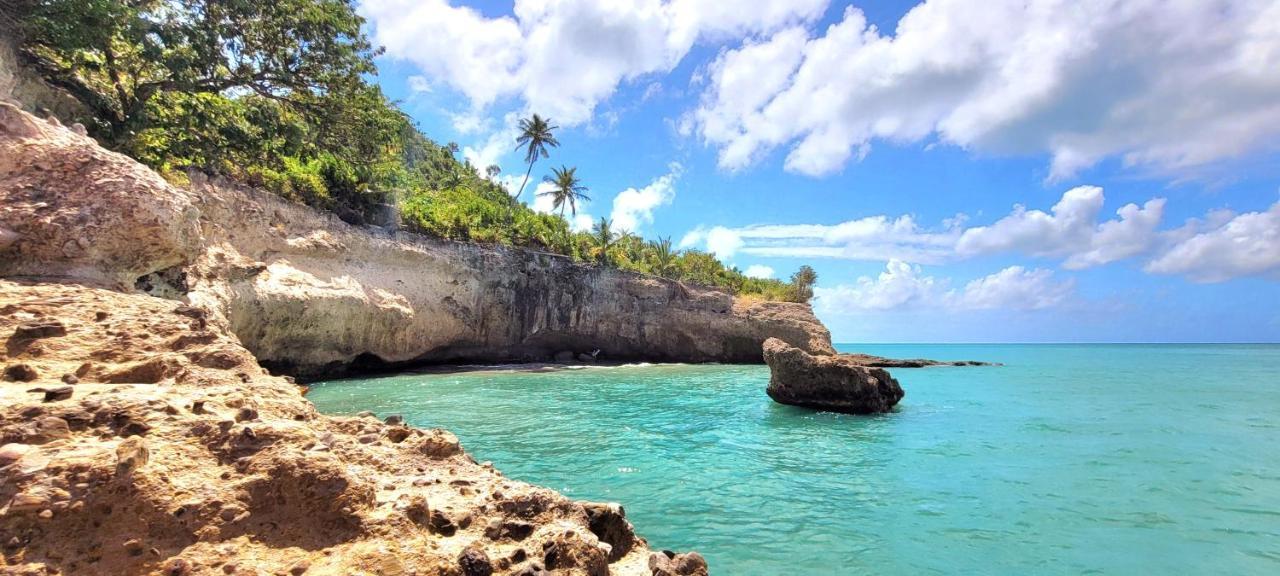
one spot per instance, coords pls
(723, 242)
(1014, 287)
(1164, 85)
(759, 271)
(719, 240)
(633, 208)
(903, 285)
(419, 84)
(492, 149)
(1070, 232)
(900, 284)
(1225, 247)
(563, 57)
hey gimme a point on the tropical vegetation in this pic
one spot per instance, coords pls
(277, 94)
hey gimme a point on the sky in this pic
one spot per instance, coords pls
(955, 171)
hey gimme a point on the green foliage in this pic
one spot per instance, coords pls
(275, 94)
(536, 135)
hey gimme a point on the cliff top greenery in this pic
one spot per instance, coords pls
(277, 95)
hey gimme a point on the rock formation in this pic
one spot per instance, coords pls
(309, 294)
(827, 382)
(882, 362)
(138, 435)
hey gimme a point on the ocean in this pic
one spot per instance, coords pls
(1069, 459)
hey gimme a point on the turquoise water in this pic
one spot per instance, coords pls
(1078, 459)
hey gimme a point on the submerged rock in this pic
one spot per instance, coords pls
(832, 383)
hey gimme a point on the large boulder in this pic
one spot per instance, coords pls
(832, 383)
(71, 209)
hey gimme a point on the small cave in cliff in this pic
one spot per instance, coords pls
(368, 362)
(169, 283)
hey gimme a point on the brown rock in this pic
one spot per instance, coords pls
(474, 562)
(54, 393)
(20, 373)
(827, 382)
(43, 329)
(609, 523)
(131, 454)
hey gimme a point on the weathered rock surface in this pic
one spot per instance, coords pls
(308, 294)
(174, 452)
(70, 208)
(834, 383)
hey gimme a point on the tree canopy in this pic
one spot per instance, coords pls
(277, 94)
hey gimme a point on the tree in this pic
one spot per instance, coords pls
(567, 189)
(603, 236)
(115, 56)
(492, 171)
(662, 258)
(801, 289)
(536, 134)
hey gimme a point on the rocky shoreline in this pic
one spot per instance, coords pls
(139, 434)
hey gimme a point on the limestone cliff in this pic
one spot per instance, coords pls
(138, 436)
(309, 294)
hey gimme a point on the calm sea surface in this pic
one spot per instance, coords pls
(1076, 459)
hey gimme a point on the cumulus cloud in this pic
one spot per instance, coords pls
(633, 208)
(563, 57)
(1224, 246)
(903, 285)
(900, 284)
(719, 240)
(1070, 231)
(1168, 86)
(1014, 287)
(759, 271)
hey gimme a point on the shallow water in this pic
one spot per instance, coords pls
(1116, 459)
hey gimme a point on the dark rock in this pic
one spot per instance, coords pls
(882, 362)
(609, 523)
(569, 551)
(474, 562)
(398, 434)
(20, 373)
(246, 414)
(513, 529)
(671, 564)
(70, 379)
(441, 524)
(394, 420)
(55, 393)
(564, 356)
(34, 330)
(586, 358)
(827, 382)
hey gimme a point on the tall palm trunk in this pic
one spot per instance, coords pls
(526, 180)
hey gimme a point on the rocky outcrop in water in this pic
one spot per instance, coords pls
(139, 436)
(827, 382)
(882, 362)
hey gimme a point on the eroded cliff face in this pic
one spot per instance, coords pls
(138, 436)
(310, 294)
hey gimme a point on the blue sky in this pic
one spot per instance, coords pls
(886, 144)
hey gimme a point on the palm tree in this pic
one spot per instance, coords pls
(535, 136)
(604, 238)
(664, 258)
(567, 189)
